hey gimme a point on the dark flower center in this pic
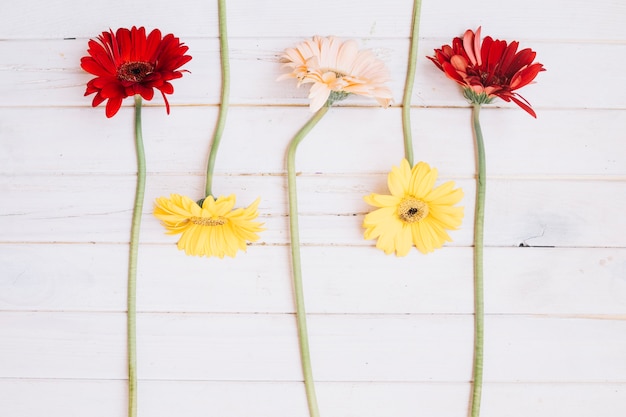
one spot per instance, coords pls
(490, 78)
(208, 221)
(411, 210)
(134, 71)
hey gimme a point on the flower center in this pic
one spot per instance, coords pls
(411, 210)
(208, 221)
(134, 71)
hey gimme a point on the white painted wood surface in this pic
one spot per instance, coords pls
(389, 336)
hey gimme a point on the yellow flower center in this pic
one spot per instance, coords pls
(208, 221)
(134, 71)
(411, 210)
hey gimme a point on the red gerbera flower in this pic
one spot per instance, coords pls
(492, 69)
(127, 63)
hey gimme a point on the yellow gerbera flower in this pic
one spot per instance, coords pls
(336, 66)
(416, 212)
(214, 229)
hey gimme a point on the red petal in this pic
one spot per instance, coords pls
(113, 105)
(91, 66)
(507, 59)
(97, 100)
(113, 89)
(435, 61)
(523, 58)
(167, 88)
(452, 73)
(526, 76)
(494, 58)
(152, 45)
(468, 46)
(146, 93)
(167, 103)
(523, 104)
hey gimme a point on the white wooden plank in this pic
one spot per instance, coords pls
(389, 336)
(442, 137)
(338, 280)
(263, 347)
(47, 73)
(98, 209)
(555, 19)
(75, 398)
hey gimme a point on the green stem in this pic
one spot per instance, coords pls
(224, 100)
(479, 221)
(132, 262)
(408, 85)
(303, 337)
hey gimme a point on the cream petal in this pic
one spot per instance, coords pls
(324, 54)
(318, 94)
(347, 55)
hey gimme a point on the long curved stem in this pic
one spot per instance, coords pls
(303, 337)
(479, 220)
(224, 98)
(132, 262)
(408, 85)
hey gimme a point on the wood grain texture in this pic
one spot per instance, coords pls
(97, 209)
(255, 67)
(389, 336)
(262, 347)
(537, 20)
(268, 399)
(255, 139)
(259, 282)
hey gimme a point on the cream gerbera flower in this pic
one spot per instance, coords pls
(214, 229)
(416, 212)
(335, 66)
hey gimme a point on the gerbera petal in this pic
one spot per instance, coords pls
(113, 105)
(429, 240)
(523, 104)
(471, 44)
(387, 239)
(381, 200)
(422, 179)
(381, 215)
(448, 217)
(318, 94)
(399, 179)
(403, 240)
(445, 194)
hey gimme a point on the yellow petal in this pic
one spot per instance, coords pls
(398, 179)
(381, 216)
(403, 240)
(444, 194)
(422, 179)
(449, 217)
(381, 200)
